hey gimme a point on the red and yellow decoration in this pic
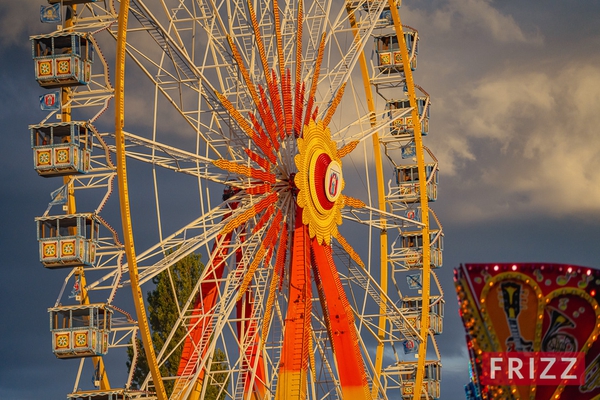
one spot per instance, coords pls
(43, 158)
(49, 249)
(61, 155)
(385, 59)
(320, 182)
(291, 199)
(80, 339)
(44, 68)
(62, 341)
(532, 308)
(63, 66)
(67, 248)
(295, 205)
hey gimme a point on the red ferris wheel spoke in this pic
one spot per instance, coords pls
(293, 367)
(340, 324)
(198, 338)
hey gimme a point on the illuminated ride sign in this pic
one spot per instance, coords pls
(532, 330)
(532, 368)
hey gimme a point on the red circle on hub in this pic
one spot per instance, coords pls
(319, 173)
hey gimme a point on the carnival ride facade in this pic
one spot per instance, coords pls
(253, 130)
(530, 308)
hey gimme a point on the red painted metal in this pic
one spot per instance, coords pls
(292, 383)
(340, 324)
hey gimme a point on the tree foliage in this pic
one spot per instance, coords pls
(173, 288)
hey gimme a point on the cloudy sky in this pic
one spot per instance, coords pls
(515, 87)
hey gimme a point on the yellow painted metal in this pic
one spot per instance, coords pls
(97, 361)
(410, 84)
(278, 39)
(138, 298)
(322, 223)
(383, 237)
(299, 43)
(65, 116)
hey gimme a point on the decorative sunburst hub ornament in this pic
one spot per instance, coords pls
(320, 182)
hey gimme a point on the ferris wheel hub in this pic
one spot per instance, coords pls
(320, 181)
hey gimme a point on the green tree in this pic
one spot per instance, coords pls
(173, 288)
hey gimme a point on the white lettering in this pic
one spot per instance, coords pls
(494, 367)
(531, 368)
(550, 361)
(571, 361)
(512, 369)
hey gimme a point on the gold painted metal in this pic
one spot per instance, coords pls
(138, 297)
(336, 101)
(244, 71)
(259, 42)
(98, 362)
(299, 42)
(383, 237)
(315, 141)
(277, 22)
(426, 284)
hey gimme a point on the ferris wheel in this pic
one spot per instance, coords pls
(281, 141)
